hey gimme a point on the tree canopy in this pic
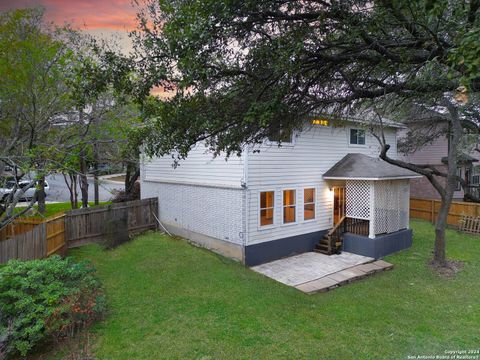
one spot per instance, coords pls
(243, 70)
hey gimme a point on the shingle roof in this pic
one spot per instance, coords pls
(462, 159)
(363, 167)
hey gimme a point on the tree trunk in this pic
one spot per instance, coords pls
(131, 176)
(454, 135)
(40, 194)
(72, 188)
(83, 179)
(95, 174)
(440, 226)
(75, 192)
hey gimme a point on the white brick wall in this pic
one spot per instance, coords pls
(213, 211)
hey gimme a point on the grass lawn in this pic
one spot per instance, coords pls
(169, 299)
(55, 208)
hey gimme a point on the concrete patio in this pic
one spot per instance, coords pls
(313, 272)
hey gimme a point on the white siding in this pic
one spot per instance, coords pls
(301, 166)
(211, 211)
(200, 167)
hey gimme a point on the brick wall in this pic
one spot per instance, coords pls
(422, 188)
(212, 211)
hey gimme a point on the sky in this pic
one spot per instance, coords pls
(89, 14)
(107, 19)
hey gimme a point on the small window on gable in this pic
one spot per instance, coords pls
(357, 137)
(309, 204)
(289, 206)
(267, 203)
(282, 137)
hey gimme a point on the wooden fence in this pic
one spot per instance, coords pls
(45, 238)
(78, 227)
(94, 224)
(427, 209)
(19, 226)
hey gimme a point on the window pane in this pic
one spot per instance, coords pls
(288, 197)
(308, 195)
(353, 136)
(266, 199)
(361, 137)
(266, 217)
(283, 135)
(289, 214)
(309, 211)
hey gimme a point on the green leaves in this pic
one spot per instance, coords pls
(254, 67)
(42, 299)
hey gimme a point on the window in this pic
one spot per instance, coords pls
(282, 136)
(288, 206)
(309, 204)
(266, 207)
(357, 137)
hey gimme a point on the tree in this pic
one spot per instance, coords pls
(244, 70)
(33, 93)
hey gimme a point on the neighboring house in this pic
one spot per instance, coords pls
(435, 153)
(284, 200)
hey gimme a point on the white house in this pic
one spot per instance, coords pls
(324, 190)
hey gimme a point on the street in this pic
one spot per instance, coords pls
(59, 192)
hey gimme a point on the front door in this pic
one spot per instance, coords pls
(338, 204)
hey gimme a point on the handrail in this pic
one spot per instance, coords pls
(332, 230)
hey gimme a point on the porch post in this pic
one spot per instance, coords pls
(371, 229)
(407, 204)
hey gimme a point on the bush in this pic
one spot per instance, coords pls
(122, 196)
(45, 300)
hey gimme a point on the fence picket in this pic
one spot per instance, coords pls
(75, 228)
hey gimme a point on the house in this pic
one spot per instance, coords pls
(435, 153)
(323, 189)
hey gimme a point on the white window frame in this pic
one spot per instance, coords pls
(284, 206)
(349, 132)
(314, 203)
(260, 226)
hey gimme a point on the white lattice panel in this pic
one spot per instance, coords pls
(357, 199)
(404, 204)
(391, 206)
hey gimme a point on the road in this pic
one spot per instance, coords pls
(59, 192)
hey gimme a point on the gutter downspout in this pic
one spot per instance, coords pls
(246, 194)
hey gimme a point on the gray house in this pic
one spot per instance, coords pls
(324, 190)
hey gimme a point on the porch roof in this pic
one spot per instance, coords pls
(363, 167)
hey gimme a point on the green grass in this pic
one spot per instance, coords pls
(169, 299)
(55, 208)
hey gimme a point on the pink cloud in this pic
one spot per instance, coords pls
(89, 14)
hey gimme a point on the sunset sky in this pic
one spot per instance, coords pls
(101, 18)
(89, 14)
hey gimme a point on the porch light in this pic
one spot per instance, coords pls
(321, 122)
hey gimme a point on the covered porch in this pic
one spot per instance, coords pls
(370, 206)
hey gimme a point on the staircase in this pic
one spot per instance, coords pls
(331, 243)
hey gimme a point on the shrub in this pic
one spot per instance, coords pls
(45, 300)
(121, 195)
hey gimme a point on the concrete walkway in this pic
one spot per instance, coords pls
(312, 272)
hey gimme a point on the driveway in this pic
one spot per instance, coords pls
(59, 192)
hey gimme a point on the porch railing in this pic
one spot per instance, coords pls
(472, 192)
(357, 226)
(346, 224)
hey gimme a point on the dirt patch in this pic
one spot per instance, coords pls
(449, 270)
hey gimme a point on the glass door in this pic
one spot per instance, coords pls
(338, 204)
